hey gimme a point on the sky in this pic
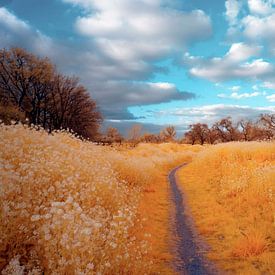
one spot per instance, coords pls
(155, 62)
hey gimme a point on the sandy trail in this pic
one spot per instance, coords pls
(190, 248)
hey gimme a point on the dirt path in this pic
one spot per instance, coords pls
(190, 248)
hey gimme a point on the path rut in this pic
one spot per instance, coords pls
(190, 248)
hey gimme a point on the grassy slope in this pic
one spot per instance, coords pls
(71, 206)
(230, 189)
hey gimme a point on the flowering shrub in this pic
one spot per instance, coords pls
(71, 207)
(232, 201)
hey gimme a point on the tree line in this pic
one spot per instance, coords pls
(223, 130)
(135, 136)
(32, 90)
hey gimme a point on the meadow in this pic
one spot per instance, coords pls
(230, 189)
(69, 206)
(72, 207)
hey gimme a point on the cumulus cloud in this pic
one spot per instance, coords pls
(234, 64)
(130, 36)
(257, 23)
(259, 27)
(120, 43)
(261, 7)
(134, 31)
(14, 32)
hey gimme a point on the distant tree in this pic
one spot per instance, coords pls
(134, 134)
(169, 134)
(190, 137)
(245, 127)
(150, 138)
(225, 130)
(113, 135)
(268, 120)
(200, 132)
(212, 135)
(255, 130)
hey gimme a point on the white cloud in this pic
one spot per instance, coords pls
(234, 64)
(12, 21)
(146, 30)
(240, 52)
(256, 23)
(236, 95)
(235, 88)
(271, 98)
(232, 11)
(130, 36)
(162, 85)
(259, 27)
(14, 32)
(261, 7)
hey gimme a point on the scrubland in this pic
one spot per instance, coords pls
(71, 207)
(230, 189)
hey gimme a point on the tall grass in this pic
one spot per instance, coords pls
(71, 207)
(230, 188)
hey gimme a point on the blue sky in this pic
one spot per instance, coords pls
(156, 62)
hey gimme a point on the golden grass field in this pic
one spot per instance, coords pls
(72, 207)
(230, 188)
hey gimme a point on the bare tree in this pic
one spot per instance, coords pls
(225, 130)
(150, 138)
(190, 137)
(134, 134)
(169, 134)
(268, 121)
(212, 135)
(245, 129)
(113, 135)
(200, 131)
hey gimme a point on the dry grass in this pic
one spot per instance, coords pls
(71, 207)
(230, 188)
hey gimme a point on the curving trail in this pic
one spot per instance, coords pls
(189, 248)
